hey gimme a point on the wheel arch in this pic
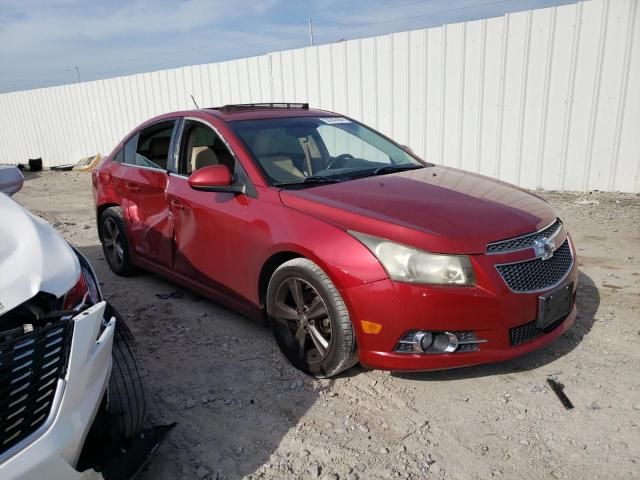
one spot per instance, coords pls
(99, 211)
(267, 270)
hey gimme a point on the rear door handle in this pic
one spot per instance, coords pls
(177, 205)
(132, 187)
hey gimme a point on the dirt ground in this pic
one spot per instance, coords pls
(244, 412)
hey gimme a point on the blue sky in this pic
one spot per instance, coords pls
(41, 41)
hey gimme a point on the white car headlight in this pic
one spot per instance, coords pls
(407, 264)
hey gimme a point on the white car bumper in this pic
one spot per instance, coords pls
(52, 452)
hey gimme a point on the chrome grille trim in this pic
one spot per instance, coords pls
(523, 242)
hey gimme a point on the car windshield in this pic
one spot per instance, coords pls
(308, 151)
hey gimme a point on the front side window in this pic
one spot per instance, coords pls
(200, 146)
(307, 150)
(150, 147)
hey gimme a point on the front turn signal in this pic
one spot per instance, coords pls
(370, 327)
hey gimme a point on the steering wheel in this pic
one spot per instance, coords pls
(340, 158)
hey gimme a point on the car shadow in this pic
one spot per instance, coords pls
(587, 300)
(29, 175)
(216, 373)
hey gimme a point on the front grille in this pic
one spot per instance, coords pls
(466, 337)
(529, 331)
(525, 241)
(538, 274)
(30, 366)
(524, 333)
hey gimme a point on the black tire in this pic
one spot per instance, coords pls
(126, 404)
(329, 344)
(115, 243)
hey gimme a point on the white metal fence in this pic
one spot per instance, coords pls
(546, 98)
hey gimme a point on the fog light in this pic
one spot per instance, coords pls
(424, 340)
(430, 342)
(445, 342)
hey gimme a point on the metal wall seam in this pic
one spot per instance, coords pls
(624, 81)
(602, 35)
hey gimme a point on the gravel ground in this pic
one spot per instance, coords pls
(244, 412)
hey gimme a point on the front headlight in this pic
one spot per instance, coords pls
(86, 292)
(407, 264)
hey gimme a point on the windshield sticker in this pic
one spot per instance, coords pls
(332, 120)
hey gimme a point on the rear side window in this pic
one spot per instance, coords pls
(118, 157)
(150, 147)
(130, 151)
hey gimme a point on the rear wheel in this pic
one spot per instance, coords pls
(309, 319)
(115, 243)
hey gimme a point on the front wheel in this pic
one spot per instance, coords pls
(310, 320)
(126, 396)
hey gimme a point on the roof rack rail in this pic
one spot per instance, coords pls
(262, 106)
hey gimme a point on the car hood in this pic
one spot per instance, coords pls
(437, 209)
(33, 257)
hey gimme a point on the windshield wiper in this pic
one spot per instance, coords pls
(383, 170)
(320, 179)
(308, 180)
(395, 168)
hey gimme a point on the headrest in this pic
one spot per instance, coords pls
(273, 142)
(202, 157)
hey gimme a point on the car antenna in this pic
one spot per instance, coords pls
(194, 102)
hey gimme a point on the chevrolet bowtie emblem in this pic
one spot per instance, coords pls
(543, 248)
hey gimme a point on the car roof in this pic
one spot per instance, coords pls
(230, 113)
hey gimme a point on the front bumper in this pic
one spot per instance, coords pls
(489, 310)
(52, 452)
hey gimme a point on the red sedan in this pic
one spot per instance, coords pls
(348, 244)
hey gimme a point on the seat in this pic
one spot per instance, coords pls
(202, 156)
(223, 156)
(281, 168)
(275, 150)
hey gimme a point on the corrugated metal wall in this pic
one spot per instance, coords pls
(546, 98)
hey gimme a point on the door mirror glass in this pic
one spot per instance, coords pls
(212, 178)
(11, 179)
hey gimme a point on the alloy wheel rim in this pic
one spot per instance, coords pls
(112, 241)
(305, 319)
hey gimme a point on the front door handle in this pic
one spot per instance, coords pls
(132, 187)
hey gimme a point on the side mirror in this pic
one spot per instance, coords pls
(214, 178)
(11, 179)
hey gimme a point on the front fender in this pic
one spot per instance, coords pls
(343, 258)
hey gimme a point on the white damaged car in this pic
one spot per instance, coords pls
(68, 372)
